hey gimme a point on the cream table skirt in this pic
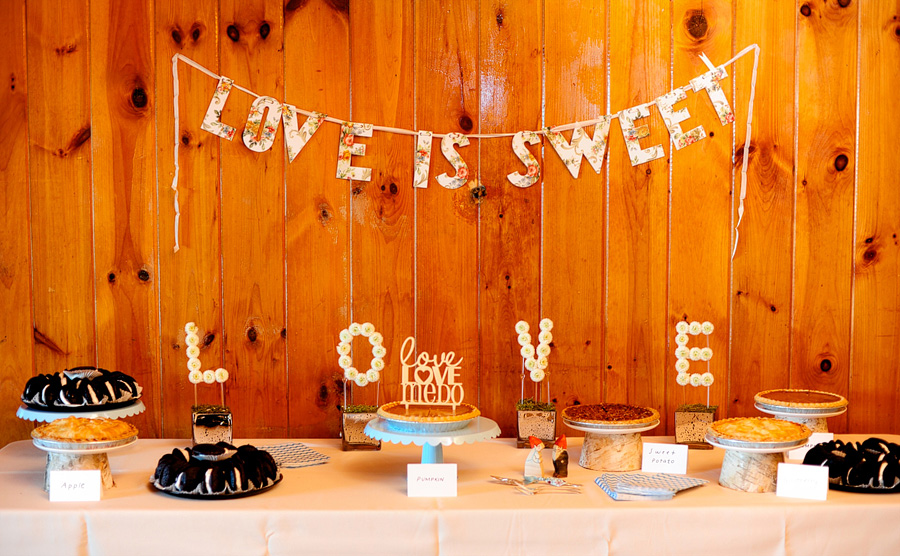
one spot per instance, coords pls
(357, 504)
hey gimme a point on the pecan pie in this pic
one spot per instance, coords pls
(397, 411)
(758, 429)
(801, 399)
(610, 414)
(79, 429)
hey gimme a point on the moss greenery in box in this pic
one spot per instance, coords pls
(531, 405)
(359, 408)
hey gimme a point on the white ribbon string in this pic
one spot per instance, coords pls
(177, 129)
(401, 131)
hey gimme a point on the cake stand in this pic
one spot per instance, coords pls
(751, 466)
(45, 416)
(67, 456)
(432, 443)
(611, 447)
(813, 418)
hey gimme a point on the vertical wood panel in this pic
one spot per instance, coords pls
(124, 171)
(60, 172)
(16, 335)
(510, 221)
(381, 45)
(761, 283)
(636, 356)
(824, 215)
(701, 202)
(875, 381)
(447, 220)
(251, 44)
(317, 226)
(190, 280)
(573, 269)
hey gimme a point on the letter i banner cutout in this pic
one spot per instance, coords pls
(259, 134)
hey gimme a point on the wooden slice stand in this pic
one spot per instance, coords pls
(77, 462)
(611, 452)
(749, 472)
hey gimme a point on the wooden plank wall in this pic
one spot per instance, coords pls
(277, 257)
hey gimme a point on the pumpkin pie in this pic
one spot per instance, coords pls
(427, 413)
(801, 399)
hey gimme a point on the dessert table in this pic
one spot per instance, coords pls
(357, 503)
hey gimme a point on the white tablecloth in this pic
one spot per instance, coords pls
(357, 504)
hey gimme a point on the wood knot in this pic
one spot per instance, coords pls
(478, 192)
(805, 10)
(323, 392)
(870, 239)
(840, 163)
(66, 49)
(208, 339)
(111, 277)
(264, 30)
(696, 24)
(284, 332)
(196, 29)
(773, 309)
(844, 3)
(870, 254)
(294, 5)
(176, 35)
(139, 97)
(649, 171)
(465, 123)
(143, 275)
(825, 365)
(252, 335)
(393, 189)
(233, 33)
(186, 138)
(587, 342)
(499, 18)
(339, 5)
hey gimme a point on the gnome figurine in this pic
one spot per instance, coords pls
(560, 458)
(534, 465)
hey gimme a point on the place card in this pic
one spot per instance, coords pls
(75, 486)
(664, 458)
(430, 480)
(815, 438)
(802, 481)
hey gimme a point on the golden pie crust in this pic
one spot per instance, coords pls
(801, 399)
(79, 429)
(759, 429)
(610, 414)
(422, 413)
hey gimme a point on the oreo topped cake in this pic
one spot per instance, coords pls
(85, 388)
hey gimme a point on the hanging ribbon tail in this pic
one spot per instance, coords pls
(746, 158)
(177, 126)
(706, 60)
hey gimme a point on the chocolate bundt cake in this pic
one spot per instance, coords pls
(872, 465)
(215, 469)
(80, 387)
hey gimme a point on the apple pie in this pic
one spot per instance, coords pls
(758, 429)
(79, 429)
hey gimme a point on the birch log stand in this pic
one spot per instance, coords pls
(749, 472)
(615, 448)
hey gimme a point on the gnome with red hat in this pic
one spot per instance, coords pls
(560, 458)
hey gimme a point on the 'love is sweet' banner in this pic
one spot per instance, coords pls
(267, 114)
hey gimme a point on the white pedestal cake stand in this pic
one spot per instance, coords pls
(751, 466)
(815, 419)
(41, 416)
(611, 447)
(432, 443)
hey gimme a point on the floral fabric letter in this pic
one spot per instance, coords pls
(348, 148)
(269, 127)
(673, 117)
(462, 169)
(592, 149)
(710, 82)
(212, 121)
(423, 159)
(295, 139)
(534, 170)
(632, 134)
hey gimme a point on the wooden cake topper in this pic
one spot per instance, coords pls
(429, 379)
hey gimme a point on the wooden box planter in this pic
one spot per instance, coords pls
(535, 419)
(211, 424)
(353, 427)
(691, 422)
